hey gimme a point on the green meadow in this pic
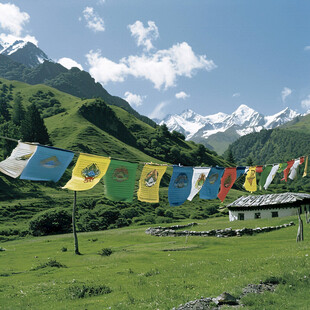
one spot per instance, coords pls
(147, 272)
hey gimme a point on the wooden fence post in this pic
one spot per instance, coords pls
(300, 232)
(76, 244)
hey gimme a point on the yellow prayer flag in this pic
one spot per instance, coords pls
(149, 183)
(250, 180)
(88, 171)
(306, 168)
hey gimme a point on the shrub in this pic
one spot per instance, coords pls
(105, 252)
(53, 221)
(82, 291)
(50, 263)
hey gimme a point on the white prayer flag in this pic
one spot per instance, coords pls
(199, 176)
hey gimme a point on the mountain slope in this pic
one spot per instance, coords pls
(219, 130)
(25, 53)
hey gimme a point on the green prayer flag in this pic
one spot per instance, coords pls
(282, 167)
(119, 181)
(264, 176)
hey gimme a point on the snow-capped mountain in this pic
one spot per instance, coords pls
(24, 52)
(241, 122)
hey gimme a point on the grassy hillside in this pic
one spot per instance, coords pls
(147, 272)
(93, 127)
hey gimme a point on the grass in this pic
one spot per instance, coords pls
(142, 274)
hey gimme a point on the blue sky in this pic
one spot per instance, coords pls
(167, 56)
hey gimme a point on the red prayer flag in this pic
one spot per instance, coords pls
(228, 179)
(302, 159)
(287, 169)
(259, 169)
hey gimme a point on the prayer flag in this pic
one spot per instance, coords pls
(180, 185)
(287, 169)
(14, 165)
(47, 164)
(264, 175)
(271, 175)
(259, 169)
(228, 179)
(199, 177)
(282, 167)
(119, 181)
(241, 171)
(149, 183)
(293, 171)
(211, 186)
(88, 171)
(306, 168)
(250, 180)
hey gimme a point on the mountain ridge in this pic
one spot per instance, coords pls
(242, 121)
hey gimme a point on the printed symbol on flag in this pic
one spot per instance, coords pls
(227, 181)
(213, 178)
(50, 162)
(120, 174)
(181, 181)
(151, 178)
(24, 157)
(200, 181)
(251, 177)
(90, 173)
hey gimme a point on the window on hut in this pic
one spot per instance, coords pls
(274, 214)
(257, 215)
(241, 216)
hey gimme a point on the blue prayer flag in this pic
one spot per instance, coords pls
(47, 164)
(240, 171)
(212, 184)
(180, 185)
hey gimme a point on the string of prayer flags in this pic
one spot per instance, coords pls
(180, 185)
(199, 177)
(293, 171)
(149, 183)
(264, 175)
(306, 168)
(211, 186)
(88, 171)
(14, 165)
(47, 164)
(287, 169)
(250, 180)
(119, 181)
(228, 179)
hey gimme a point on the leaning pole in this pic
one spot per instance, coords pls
(76, 243)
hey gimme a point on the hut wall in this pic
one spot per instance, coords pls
(264, 214)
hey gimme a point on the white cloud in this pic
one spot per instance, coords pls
(306, 103)
(101, 1)
(134, 100)
(144, 35)
(158, 112)
(307, 48)
(236, 95)
(93, 20)
(12, 19)
(181, 95)
(69, 63)
(285, 93)
(161, 68)
(105, 70)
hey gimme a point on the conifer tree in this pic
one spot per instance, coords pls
(4, 110)
(33, 128)
(230, 157)
(18, 114)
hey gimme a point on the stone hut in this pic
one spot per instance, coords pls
(268, 206)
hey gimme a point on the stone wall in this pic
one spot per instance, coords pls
(227, 232)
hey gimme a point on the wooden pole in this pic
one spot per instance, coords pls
(300, 232)
(76, 243)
